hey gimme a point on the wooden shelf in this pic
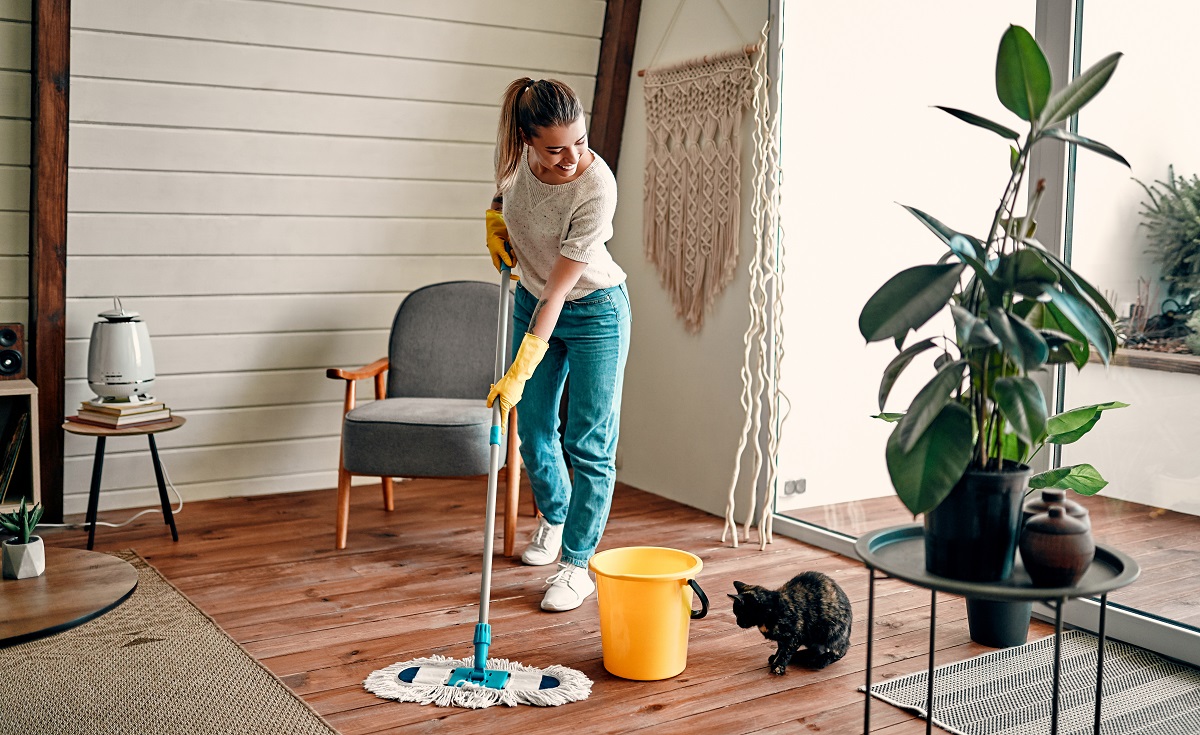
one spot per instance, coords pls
(1150, 360)
(16, 397)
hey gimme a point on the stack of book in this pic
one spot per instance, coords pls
(119, 414)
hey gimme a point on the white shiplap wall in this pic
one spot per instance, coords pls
(14, 160)
(264, 181)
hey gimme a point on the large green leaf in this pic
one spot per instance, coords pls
(897, 365)
(1069, 426)
(1086, 319)
(942, 231)
(971, 332)
(928, 403)
(983, 122)
(1053, 318)
(1068, 100)
(1074, 283)
(1079, 140)
(908, 300)
(925, 475)
(1022, 74)
(1026, 271)
(1024, 407)
(1021, 342)
(1082, 478)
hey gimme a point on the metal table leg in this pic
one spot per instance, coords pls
(94, 493)
(1058, 626)
(870, 637)
(168, 516)
(929, 690)
(1100, 662)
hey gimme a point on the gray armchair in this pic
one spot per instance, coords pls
(430, 420)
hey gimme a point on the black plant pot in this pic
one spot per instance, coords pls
(972, 535)
(999, 624)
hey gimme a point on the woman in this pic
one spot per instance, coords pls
(552, 216)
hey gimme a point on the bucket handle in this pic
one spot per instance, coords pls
(697, 614)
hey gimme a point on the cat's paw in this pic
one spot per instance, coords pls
(778, 670)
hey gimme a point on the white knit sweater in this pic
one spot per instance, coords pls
(574, 219)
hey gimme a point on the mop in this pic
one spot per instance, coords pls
(469, 682)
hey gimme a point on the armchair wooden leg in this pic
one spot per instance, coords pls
(512, 486)
(389, 498)
(343, 506)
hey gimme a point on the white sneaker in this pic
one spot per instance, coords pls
(544, 545)
(569, 587)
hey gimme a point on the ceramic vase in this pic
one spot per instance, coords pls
(22, 561)
(1056, 548)
(1055, 496)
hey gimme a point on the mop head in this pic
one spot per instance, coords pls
(424, 681)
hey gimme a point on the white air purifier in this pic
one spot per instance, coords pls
(120, 363)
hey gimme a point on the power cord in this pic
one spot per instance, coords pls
(132, 518)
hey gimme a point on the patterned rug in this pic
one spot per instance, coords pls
(154, 664)
(1008, 692)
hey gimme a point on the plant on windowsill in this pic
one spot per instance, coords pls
(24, 555)
(958, 453)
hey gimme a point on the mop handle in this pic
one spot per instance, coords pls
(485, 587)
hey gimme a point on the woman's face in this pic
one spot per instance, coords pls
(556, 152)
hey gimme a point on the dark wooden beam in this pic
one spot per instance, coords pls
(612, 78)
(50, 79)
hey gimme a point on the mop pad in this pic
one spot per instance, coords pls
(548, 687)
(449, 682)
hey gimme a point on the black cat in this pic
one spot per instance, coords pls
(811, 611)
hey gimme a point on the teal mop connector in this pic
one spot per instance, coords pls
(480, 675)
(496, 435)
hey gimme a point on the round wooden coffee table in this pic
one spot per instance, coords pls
(76, 587)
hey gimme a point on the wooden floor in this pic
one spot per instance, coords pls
(265, 569)
(1165, 544)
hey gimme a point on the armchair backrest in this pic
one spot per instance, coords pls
(443, 342)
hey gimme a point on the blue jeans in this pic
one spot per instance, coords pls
(591, 342)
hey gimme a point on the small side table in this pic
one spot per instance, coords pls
(102, 433)
(899, 552)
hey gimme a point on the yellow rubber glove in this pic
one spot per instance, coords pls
(512, 385)
(497, 241)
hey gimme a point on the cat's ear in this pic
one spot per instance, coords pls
(741, 586)
(736, 598)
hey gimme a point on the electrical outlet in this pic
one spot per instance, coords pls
(794, 487)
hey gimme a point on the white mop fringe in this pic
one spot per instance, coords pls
(573, 685)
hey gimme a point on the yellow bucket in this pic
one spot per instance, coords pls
(645, 598)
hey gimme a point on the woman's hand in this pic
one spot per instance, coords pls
(511, 386)
(497, 240)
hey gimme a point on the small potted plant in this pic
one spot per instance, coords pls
(24, 555)
(958, 453)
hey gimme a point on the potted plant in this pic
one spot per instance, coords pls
(1172, 222)
(25, 555)
(958, 453)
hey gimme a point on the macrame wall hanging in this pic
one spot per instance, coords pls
(762, 399)
(693, 174)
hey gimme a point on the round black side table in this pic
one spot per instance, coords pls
(899, 552)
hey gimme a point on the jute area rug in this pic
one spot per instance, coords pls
(1008, 692)
(154, 664)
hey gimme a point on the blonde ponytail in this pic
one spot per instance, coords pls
(526, 107)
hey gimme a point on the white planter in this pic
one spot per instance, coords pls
(22, 561)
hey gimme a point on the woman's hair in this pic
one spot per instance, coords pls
(528, 106)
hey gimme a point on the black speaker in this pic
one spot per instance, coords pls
(12, 351)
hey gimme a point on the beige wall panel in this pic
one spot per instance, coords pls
(14, 45)
(14, 276)
(14, 310)
(149, 103)
(14, 94)
(324, 29)
(76, 503)
(174, 276)
(218, 353)
(232, 390)
(202, 464)
(169, 315)
(257, 67)
(231, 426)
(14, 188)
(14, 142)
(16, 9)
(221, 151)
(14, 233)
(579, 17)
(141, 234)
(187, 193)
